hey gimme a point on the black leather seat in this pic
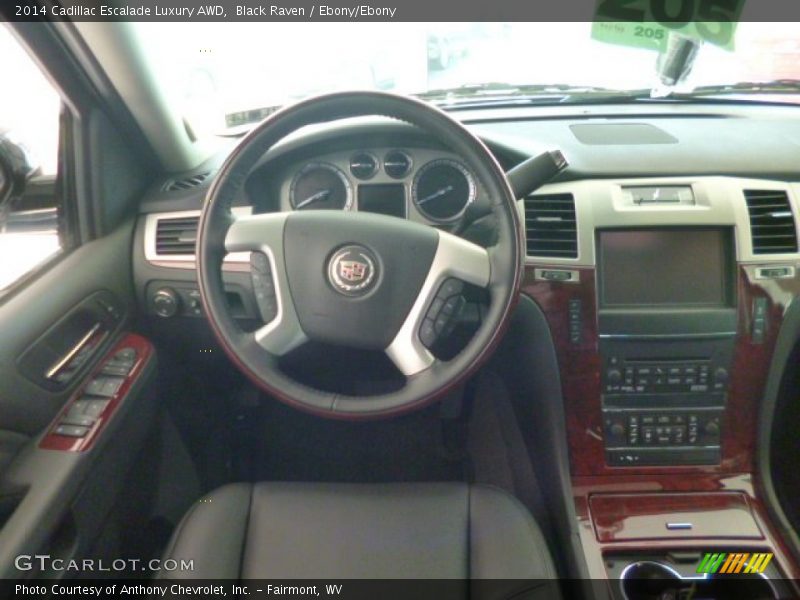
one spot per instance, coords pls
(342, 531)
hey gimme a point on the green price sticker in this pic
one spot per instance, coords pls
(648, 23)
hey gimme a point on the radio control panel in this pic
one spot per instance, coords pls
(623, 376)
(664, 398)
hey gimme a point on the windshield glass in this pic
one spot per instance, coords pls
(227, 75)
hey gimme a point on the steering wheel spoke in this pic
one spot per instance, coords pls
(263, 236)
(456, 261)
(281, 335)
(256, 233)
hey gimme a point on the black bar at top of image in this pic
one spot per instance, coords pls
(385, 10)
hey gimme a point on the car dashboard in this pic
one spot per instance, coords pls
(664, 261)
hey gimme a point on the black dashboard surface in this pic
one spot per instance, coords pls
(736, 139)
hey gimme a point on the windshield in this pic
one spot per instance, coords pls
(222, 76)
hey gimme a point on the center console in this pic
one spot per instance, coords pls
(666, 325)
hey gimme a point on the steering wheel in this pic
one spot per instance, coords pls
(359, 280)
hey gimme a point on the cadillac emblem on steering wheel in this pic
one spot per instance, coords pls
(352, 270)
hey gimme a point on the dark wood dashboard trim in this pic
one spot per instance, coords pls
(144, 353)
(673, 516)
(580, 365)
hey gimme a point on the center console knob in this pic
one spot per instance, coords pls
(614, 375)
(721, 375)
(712, 428)
(617, 430)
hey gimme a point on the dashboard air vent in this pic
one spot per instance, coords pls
(550, 226)
(771, 222)
(176, 235)
(186, 183)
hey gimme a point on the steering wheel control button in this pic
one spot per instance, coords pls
(443, 312)
(435, 308)
(427, 333)
(441, 323)
(259, 262)
(263, 286)
(450, 287)
(352, 270)
(453, 305)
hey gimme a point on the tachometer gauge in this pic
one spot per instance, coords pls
(443, 189)
(321, 186)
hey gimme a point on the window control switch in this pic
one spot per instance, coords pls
(72, 431)
(126, 354)
(95, 387)
(116, 370)
(79, 420)
(94, 408)
(104, 386)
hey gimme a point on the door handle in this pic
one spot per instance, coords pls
(61, 363)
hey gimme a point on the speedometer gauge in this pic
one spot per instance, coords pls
(321, 186)
(443, 189)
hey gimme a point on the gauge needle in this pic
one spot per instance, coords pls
(437, 194)
(318, 196)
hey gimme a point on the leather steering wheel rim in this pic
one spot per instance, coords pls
(220, 232)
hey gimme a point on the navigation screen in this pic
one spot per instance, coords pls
(665, 267)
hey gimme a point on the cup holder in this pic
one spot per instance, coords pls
(650, 580)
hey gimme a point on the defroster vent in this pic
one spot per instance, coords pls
(186, 183)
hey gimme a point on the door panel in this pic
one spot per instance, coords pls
(26, 318)
(52, 500)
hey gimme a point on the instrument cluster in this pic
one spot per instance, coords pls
(420, 184)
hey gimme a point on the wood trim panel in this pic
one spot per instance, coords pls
(580, 366)
(144, 352)
(666, 487)
(627, 517)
